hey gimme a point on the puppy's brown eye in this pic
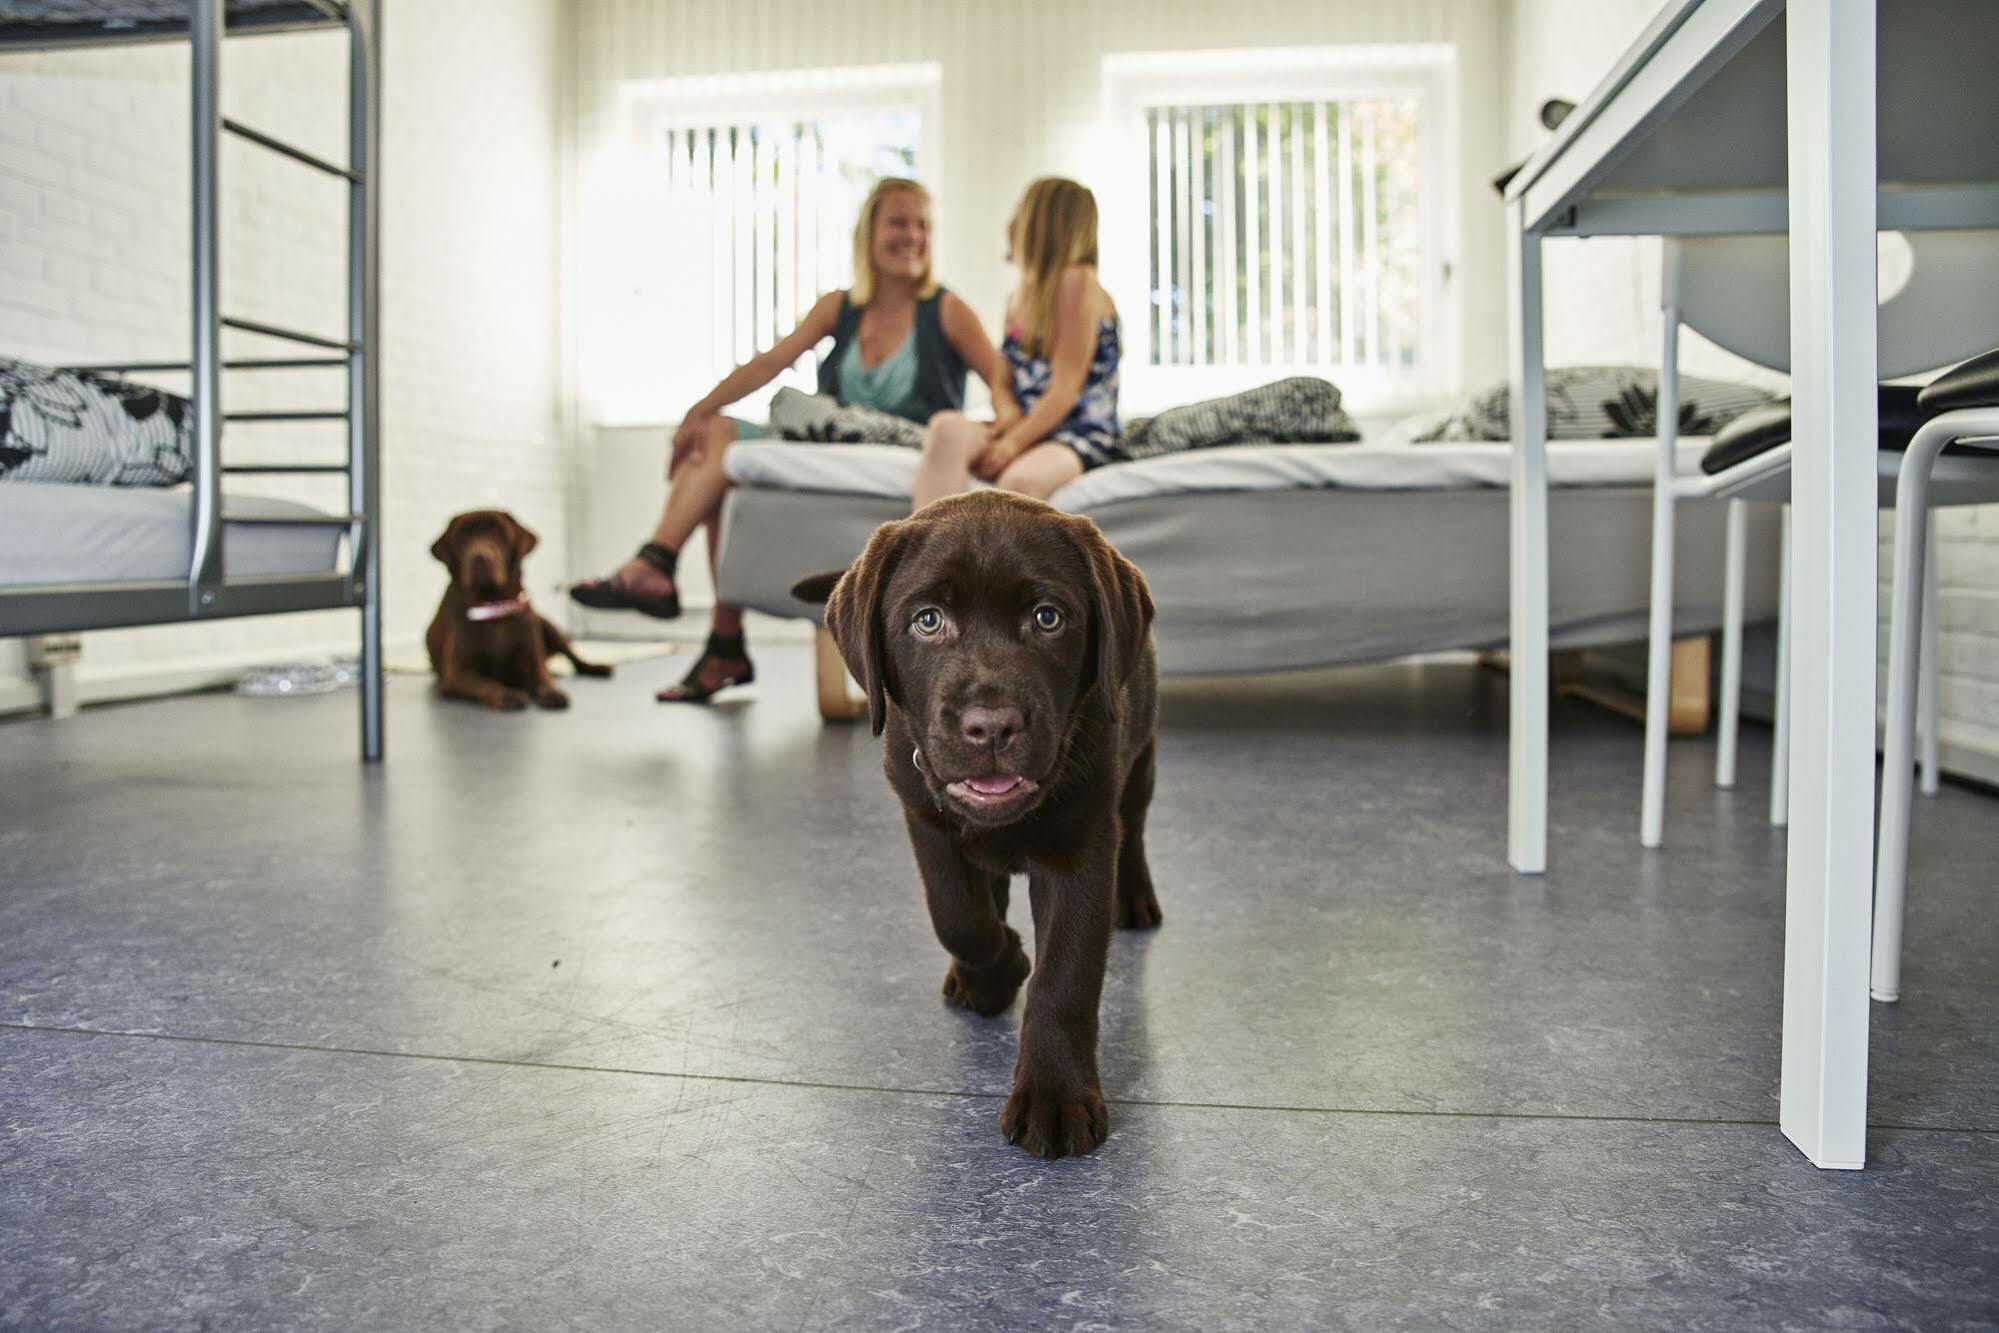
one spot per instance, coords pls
(927, 621)
(1047, 619)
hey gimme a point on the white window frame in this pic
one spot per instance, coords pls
(628, 272)
(1134, 83)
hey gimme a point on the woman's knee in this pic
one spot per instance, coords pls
(1025, 481)
(952, 435)
(716, 438)
(715, 442)
(1039, 474)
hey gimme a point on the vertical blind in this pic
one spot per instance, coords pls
(761, 221)
(1289, 233)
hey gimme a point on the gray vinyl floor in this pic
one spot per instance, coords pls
(629, 1018)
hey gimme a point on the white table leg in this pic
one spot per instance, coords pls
(1729, 729)
(1830, 68)
(1527, 771)
(1659, 633)
(1780, 704)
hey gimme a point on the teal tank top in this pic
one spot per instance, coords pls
(887, 387)
(937, 372)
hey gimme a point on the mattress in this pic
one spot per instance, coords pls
(888, 472)
(37, 23)
(1263, 575)
(56, 534)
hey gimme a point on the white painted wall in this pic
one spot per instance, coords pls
(1603, 305)
(93, 266)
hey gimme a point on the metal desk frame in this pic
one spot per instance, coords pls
(1831, 198)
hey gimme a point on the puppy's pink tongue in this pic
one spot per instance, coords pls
(997, 784)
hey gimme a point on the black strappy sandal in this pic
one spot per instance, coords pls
(606, 595)
(691, 691)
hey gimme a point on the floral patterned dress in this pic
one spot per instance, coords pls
(1091, 428)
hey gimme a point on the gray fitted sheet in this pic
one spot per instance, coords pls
(56, 534)
(1281, 579)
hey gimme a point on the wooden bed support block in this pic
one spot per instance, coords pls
(838, 702)
(1689, 700)
(1687, 693)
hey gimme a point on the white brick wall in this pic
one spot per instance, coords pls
(1603, 305)
(94, 254)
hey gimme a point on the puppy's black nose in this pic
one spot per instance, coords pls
(995, 727)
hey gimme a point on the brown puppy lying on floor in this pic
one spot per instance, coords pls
(486, 643)
(1005, 648)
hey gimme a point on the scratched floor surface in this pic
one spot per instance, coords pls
(629, 1018)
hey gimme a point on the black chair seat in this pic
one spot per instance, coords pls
(1973, 384)
(1762, 429)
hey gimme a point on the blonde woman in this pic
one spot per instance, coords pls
(1062, 348)
(901, 344)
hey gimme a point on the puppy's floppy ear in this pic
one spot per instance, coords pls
(854, 614)
(816, 588)
(1120, 609)
(519, 539)
(445, 548)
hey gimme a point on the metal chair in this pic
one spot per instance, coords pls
(1966, 404)
(1735, 290)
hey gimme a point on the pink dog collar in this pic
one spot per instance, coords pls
(513, 606)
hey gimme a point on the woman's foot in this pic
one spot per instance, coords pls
(724, 661)
(643, 584)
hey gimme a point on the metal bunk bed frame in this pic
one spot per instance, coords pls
(208, 593)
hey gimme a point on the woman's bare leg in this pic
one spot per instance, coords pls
(1042, 470)
(727, 620)
(949, 446)
(711, 670)
(694, 495)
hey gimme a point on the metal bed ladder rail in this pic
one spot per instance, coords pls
(208, 584)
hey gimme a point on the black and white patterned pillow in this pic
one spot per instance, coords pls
(62, 425)
(1600, 403)
(1299, 410)
(825, 420)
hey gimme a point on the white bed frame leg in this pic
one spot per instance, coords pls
(1527, 768)
(1780, 707)
(1659, 640)
(1830, 98)
(1926, 684)
(838, 701)
(1728, 729)
(54, 657)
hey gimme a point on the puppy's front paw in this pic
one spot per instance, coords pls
(1051, 1119)
(988, 990)
(1138, 906)
(552, 698)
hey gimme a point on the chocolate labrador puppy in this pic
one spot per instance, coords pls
(486, 643)
(1006, 652)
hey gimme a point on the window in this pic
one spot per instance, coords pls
(727, 209)
(770, 207)
(1294, 217)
